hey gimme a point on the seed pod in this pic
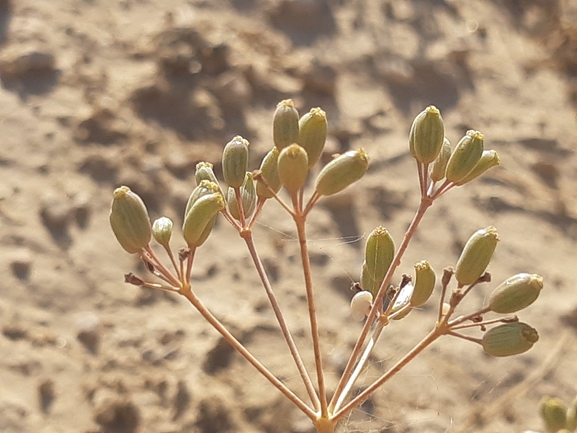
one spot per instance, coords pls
(361, 305)
(235, 161)
(476, 255)
(293, 167)
(426, 135)
(162, 230)
(204, 171)
(313, 134)
(205, 187)
(572, 416)
(509, 339)
(465, 157)
(368, 283)
(248, 194)
(424, 283)
(342, 172)
(554, 414)
(129, 220)
(489, 159)
(440, 165)
(269, 174)
(285, 124)
(199, 216)
(516, 293)
(379, 254)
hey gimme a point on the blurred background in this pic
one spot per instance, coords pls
(98, 93)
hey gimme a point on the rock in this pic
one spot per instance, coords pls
(213, 416)
(89, 330)
(56, 213)
(117, 415)
(46, 394)
(21, 263)
(20, 60)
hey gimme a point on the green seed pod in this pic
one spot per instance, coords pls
(269, 173)
(285, 124)
(248, 194)
(313, 134)
(572, 416)
(199, 216)
(129, 220)
(554, 414)
(361, 305)
(342, 172)
(426, 135)
(465, 157)
(206, 232)
(509, 339)
(476, 256)
(204, 171)
(293, 167)
(440, 165)
(162, 230)
(368, 283)
(205, 187)
(489, 159)
(235, 161)
(424, 283)
(379, 254)
(516, 293)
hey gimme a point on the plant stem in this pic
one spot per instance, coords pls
(280, 318)
(161, 268)
(300, 223)
(430, 338)
(238, 346)
(425, 204)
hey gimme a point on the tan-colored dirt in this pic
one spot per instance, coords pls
(100, 93)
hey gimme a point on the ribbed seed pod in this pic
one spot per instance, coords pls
(516, 293)
(361, 305)
(205, 187)
(424, 283)
(269, 173)
(439, 167)
(162, 230)
(129, 220)
(465, 157)
(476, 256)
(313, 134)
(368, 283)
(379, 254)
(248, 194)
(235, 161)
(426, 135)
(285, 124)
(342, 172)
(572, 416)
(509, 339)
(554, 414)
(199, 216)
(489, 159)
(293, 167)
(204, 171)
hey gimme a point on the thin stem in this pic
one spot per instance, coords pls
(425, 204)
(429, 339)
(360, 365)
(161, 268)
(300, 223)
(259, 206)
(189, 260)
(312, 201)
(462, 319)
(238, 197)
(465, 337)
(483, 323)
(173, 261)
(282, 323)
(210, 318)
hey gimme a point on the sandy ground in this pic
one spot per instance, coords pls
(99, 93)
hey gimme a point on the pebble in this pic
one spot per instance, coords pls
(46, 394)
(88, 328)
(21, 263)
